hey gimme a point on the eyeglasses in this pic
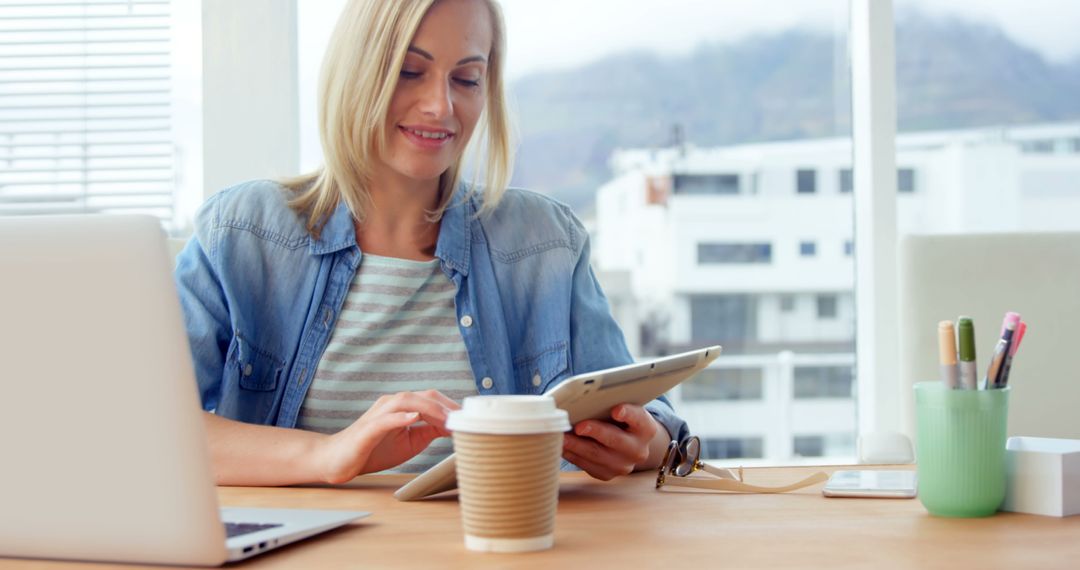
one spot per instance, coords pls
(683, 459)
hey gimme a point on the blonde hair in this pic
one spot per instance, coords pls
(359, 75)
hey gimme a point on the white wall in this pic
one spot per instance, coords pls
(250, 119)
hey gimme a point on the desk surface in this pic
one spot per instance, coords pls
(628, 524)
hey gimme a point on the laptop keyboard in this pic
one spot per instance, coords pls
(237, 529)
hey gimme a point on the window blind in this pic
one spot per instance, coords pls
(85, 118)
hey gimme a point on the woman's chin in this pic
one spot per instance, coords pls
(426, 173)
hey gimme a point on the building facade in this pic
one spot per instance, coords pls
(751, 247)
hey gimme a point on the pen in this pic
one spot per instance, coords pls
(1001, 350)
(947, 354)
(967, 353)
(1007, 367)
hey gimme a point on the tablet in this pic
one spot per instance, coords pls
(587, 396)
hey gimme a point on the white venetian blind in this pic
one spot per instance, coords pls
(85, 107)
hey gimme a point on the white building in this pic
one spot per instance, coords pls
(751, 247)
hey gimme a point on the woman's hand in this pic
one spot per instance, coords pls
(606, 450)
(391, 432)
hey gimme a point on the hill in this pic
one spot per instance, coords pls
(792, 85)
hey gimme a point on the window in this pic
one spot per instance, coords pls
(978, 137)
(596, 125)
(1037, 147)
(787, 303)
(831, 445)
(847, 183)
(822, 382)
(809, 445)
(727, 319)
(724, 384)
(85, 108)
(574, 107)
(905, 180)
(706, 183)
(806, 181)
(826, 306)
(732, 447)
(734, 253)
(807, 249)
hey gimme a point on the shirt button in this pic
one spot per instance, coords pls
(487, 382)
(536, 380)
(466, 321)
(247, 369)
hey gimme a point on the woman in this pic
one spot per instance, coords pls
(361, 302)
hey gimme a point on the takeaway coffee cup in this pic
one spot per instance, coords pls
(508, 452)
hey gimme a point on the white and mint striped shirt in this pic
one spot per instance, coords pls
(396, 333)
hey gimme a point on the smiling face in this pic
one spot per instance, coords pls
(440, 93)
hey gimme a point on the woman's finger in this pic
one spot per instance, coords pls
(598, 455)
(596, 470)
(638, 420)
(441, 398)
(431, 411)
(622, 442)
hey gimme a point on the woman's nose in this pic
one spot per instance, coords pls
(435, 99)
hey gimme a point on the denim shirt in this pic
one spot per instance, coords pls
(261, 296)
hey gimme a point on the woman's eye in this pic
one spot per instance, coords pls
(467, 82)
(406, 74)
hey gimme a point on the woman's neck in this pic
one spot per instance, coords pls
(396, 224)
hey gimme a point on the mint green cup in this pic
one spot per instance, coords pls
(960, 448)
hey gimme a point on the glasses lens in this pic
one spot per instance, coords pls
(691, 451)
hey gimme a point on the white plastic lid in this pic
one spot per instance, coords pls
(508, 415)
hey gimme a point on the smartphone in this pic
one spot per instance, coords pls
(870, 483)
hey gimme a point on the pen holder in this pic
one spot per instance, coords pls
(960, 437)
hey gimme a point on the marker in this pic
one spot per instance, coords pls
(1001, 350)
(967, 354)
(1017, 337)
(947, 354)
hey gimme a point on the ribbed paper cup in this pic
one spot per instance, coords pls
(508, 482)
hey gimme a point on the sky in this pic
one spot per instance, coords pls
(552, 34)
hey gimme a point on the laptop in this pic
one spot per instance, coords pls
(103, 446)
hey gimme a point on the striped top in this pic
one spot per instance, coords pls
(396, 333)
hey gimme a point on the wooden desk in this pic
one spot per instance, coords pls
(627, 524)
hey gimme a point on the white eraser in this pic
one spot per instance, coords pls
(1043, 476)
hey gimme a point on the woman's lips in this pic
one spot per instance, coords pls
(427, 139)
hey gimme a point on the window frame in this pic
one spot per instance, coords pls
(873, 110)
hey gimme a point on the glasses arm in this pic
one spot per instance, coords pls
(720, 472)
(740, 487)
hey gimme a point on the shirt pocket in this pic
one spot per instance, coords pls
(258, 370)
(535, 373)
